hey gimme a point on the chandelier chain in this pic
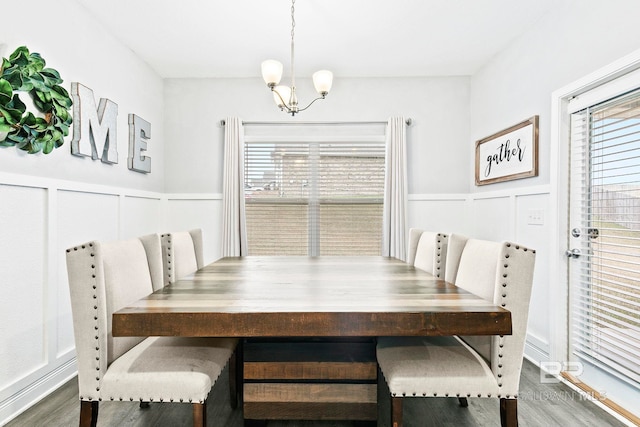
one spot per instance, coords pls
(293, 27)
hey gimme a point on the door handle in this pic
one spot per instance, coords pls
(572, 253)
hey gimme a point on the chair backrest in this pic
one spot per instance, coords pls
(153, 248)
(414, 238)
(182, 254)
(431, 253)
(104, 277)
(455, 246)
(502, 273)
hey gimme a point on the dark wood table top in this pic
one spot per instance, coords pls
(310, 296)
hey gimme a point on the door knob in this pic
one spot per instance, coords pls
(572, 253)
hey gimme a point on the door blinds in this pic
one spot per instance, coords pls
(605, 294)
(311, 191)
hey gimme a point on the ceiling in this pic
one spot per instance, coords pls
(352, 38)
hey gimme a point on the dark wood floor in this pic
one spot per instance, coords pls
(539, 405)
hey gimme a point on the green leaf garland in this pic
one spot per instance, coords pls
(26, 72)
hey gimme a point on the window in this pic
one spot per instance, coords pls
(314, 189)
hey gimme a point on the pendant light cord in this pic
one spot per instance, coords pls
(293, 26)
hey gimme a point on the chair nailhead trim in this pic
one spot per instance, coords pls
(95, 317)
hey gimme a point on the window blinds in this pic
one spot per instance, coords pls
(312, 191)
(605, 290)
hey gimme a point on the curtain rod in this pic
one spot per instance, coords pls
(407, 121)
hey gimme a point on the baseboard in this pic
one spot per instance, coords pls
(536, 350)
(23, 399)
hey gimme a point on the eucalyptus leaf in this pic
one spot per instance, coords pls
(5, 88)
(35, 147)
(48, 147)
(16, 103)
(20, 56)
(11, 115)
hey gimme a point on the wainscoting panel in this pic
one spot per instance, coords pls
(441, 213)
(493, 218)
(188, 211)
(140, 216)
(22, 255)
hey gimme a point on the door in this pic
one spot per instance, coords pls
(604, 244)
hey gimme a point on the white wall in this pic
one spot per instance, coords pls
(76, 45)
(438, 143)
(50, 202)
(574, 40)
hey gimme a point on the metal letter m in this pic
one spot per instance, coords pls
(94, 129)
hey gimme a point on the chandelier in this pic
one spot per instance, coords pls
(285, 96)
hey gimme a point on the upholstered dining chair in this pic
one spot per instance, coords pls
(414, 238)
(455, 246)
(482, 366)
(103, 277)
(182, 254)
(431, 253)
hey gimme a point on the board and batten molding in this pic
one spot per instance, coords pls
(132, 210)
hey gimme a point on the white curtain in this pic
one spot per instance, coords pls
(395, 190)
(234, 232)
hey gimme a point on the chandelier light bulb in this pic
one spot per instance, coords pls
(322, 81)
(281, 93)
(271, 72)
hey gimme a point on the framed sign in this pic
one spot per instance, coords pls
(508, 154)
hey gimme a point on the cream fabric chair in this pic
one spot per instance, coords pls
(468, 366)
(455, 246)
(414, 238)
(103, 277)
(431, 253)
(182, 254)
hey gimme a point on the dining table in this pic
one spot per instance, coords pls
(308, 325)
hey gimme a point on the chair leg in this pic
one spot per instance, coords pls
(240, 371)
(463, 402)
(88, 413)
(200, 414)
(508, 412)
(233, 380)
(396, 411)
